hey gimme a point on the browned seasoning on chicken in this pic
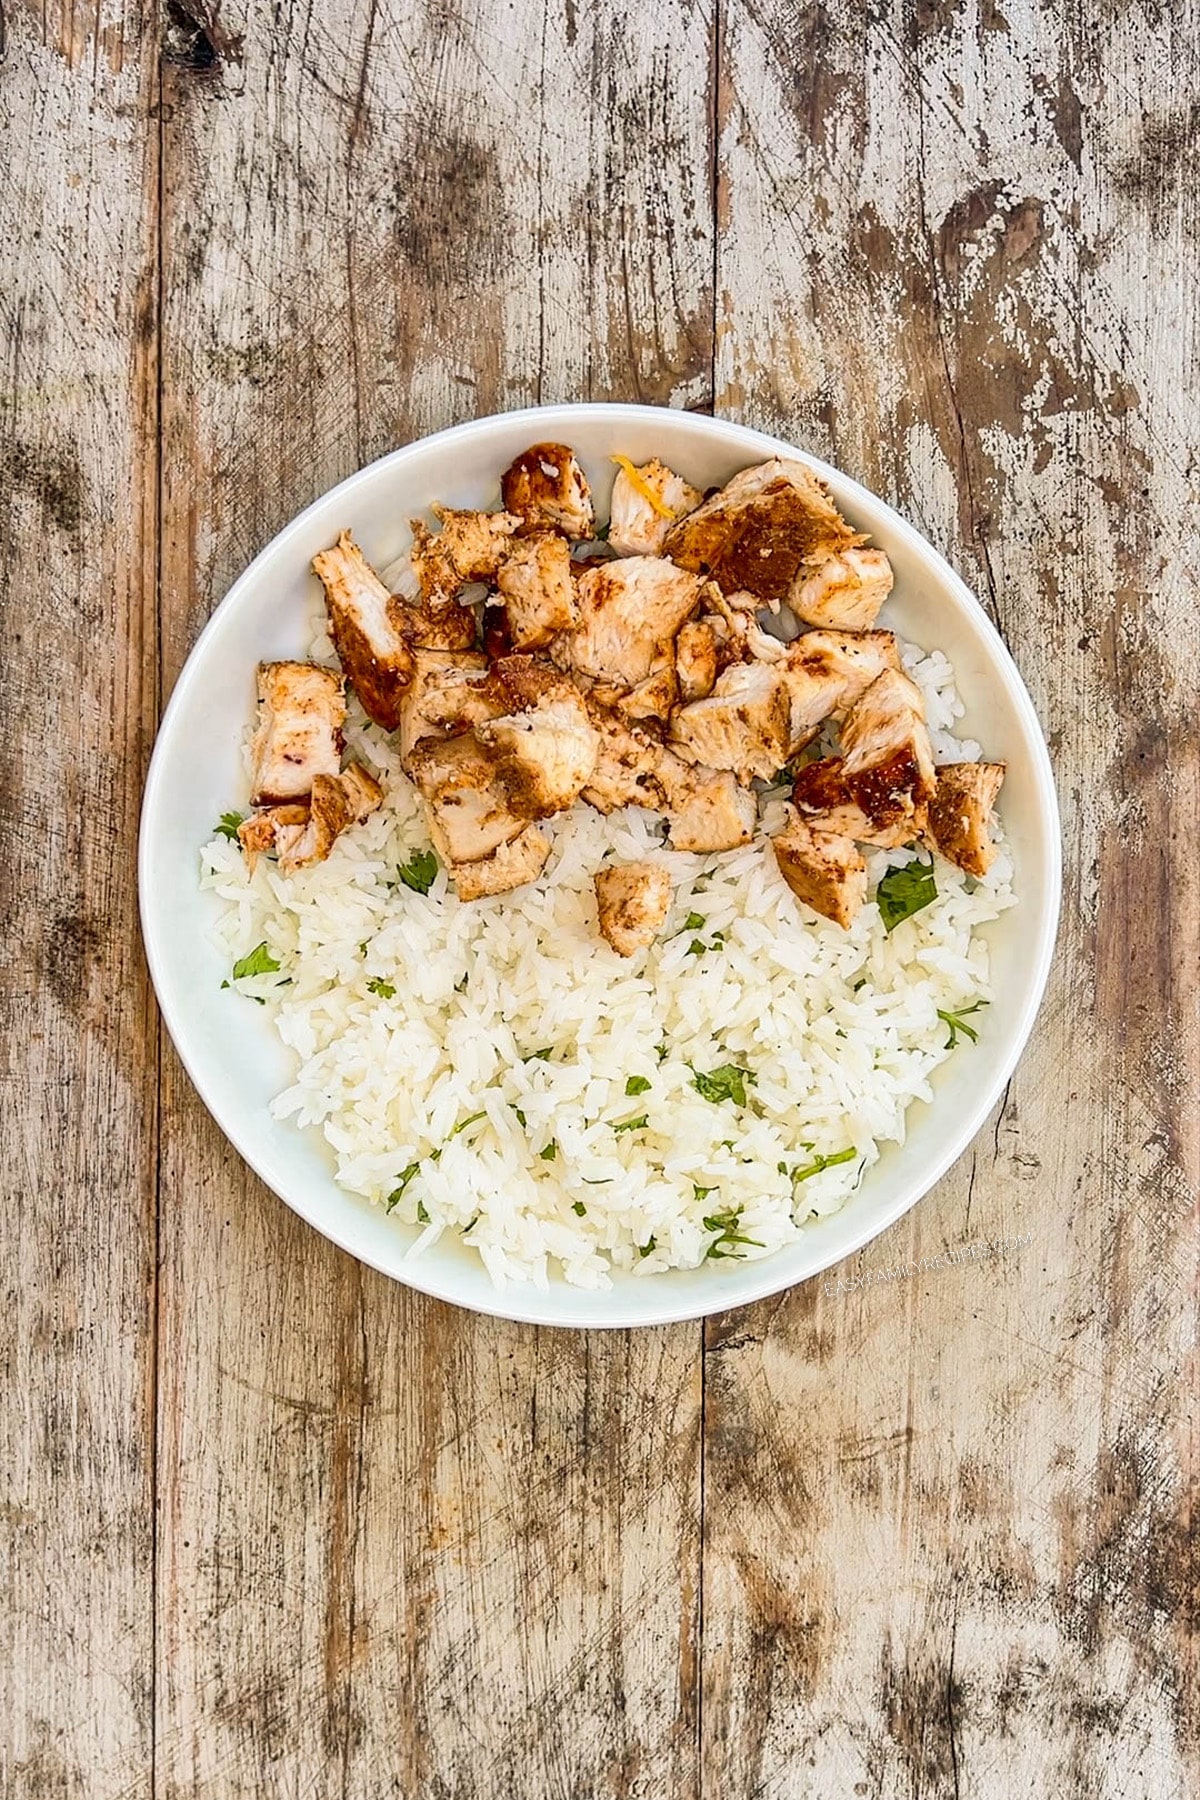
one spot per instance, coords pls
(632, 902)
(706, 809)
(536, 583)
(466, 801)
(960, 814)
(450, 692)
(546, 486)
(763, 532)
(302, 709)
(545, 755)
(878, 790)
(303, 834)
(629, 612)
(509, 866)
(370, 645)
(743, 725)
(827, 873)
(469, 547)
(827, 671)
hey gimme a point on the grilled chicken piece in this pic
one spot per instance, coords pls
(302, 709)
(763, 531)
(646, 502)
(650, 699)
(469, 547)
(628, 763)
(959, 813)
(465, 796)
(508, 867)
(257, 834)
(744, 725)
(706, 808)
(846, 592)
(632, 901)
(303, 834)
(695, 659)
(546, 486)
(370, 645)
(877, 791)
(827, 873)
(535, 581)
(526, 681)
(545, 756)
(425, 627)
(629, 612)
(337, 802)
(449, 693)
(827, 671)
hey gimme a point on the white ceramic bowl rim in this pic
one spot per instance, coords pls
(630, 1302)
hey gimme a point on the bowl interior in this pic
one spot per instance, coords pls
(229, 1047)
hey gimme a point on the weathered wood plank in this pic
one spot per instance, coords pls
(949, 1531)
(77, 574)
(406, 1551)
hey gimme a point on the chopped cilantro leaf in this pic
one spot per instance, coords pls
(398, 1191)
(577, 1206)
(904, 891)
(646, 1248)
(725, 1083)
(637, 1084)
(472, 1120)
(420, 871)
(695, 948)
(538, 1055)
(693, 922)
(228, 828)
(820, 1163)
(422, 1215)
(259, 962)
(638, 1124)
(728, 1236)
(550, 1152)
(384, 989)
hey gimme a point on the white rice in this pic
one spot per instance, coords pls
(840, 1030)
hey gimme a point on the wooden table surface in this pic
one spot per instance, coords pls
(274, 1526)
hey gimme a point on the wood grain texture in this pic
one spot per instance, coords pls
(78, 468)
(400, 1551)
(923, 1537)
(949, 1542)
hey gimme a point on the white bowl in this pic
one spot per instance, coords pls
(230, 1049)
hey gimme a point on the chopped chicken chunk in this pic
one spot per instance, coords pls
(535, 581)
(827, 873)
(337, 801)
(706, 808)
(847, 591)
(545, 755)
(450, 692)
(744, 725)
(546, 486)
(425, 627)
(877, 791)
(633, 901)
(827, 671)
(762, 531)
(302, 709)
(510, 866)
(304, 834)
(629, 612)
(652, 698)
(257, 834)
(527, 680)
(646, 502)
(959, 813)
(469, 547)
(695, 659)
(370, 645)
(628, 763)
(465, 796)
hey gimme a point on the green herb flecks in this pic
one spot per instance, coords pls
(645, 1249)
(820, 1163)
(729, 1082)
(957, 1021)
(696, 948)
(578, 1207)
(228, 828)
(694, 922)
(384, 989)
(521, 1120)
(638, 1124)
(550, 1152)
(420, 871)
(538, 1055)
(905, 891)
(728, 1236)
(397, 1193)
(473, 1119)
(422, 1214)
(702, 1193)
(259, 962)
(636, 1084)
